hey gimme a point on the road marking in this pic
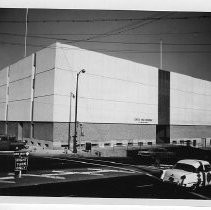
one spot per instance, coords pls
(57, 174)
(6, 181)
(96, 164)
(147, 185)
(93, 169)
(11, 174)
(7, 177)
(45, 176)
(199, 195)
(135, 171)
(98, 171)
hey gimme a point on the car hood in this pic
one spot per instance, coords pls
(175, 173)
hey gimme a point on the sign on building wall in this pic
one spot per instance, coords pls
(143, 120)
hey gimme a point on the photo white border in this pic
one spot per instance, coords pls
(48, 203)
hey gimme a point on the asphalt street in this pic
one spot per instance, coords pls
(69, 176)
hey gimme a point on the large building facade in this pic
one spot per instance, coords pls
(120, 102)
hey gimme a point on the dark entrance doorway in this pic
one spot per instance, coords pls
(162, 134)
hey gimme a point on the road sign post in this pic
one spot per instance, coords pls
(21, 162)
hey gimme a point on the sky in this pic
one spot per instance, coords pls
(132, 35)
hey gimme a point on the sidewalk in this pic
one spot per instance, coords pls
(95, 152)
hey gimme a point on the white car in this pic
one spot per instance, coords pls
(189, 174)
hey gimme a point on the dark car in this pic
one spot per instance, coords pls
(10, 143)
(155, 154)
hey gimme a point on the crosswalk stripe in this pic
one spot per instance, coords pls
(6, 181)
(7, 177)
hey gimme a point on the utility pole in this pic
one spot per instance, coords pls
(161, 54)
(76, 113)
(26, 31)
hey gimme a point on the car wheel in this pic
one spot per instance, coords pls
(194, 187)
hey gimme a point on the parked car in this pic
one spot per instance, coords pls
(10, 143)
(155, 154)
(188, 173)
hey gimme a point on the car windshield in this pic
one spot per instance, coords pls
(185, 167)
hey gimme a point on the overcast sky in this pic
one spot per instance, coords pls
(132, 35)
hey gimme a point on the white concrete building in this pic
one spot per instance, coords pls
(120, 101)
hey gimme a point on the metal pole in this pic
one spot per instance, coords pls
(26, 31)
(7, 99)
(76, 113)
(19, 174)
(161, 54)
(69, 132)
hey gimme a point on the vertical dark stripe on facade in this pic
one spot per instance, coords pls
(163, 128)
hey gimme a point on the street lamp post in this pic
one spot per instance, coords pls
(69, 126)
(76, 113)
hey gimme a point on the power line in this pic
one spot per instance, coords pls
(108, 42)
(107, 50)
(113, 31)
(122, 29)
(125, 34)
(125, 28)
(131, 34)
(199, 17)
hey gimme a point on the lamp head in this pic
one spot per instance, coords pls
(83, 70)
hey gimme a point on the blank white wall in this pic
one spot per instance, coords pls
(43, 108)
(45, 59)
(190, 100)
(19, 110)
(3, 92)
(20, 90)
(112, 90)
(44, 84)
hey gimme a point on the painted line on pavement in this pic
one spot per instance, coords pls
(147, 185)
(106, 161)
(7, 177)
(6, 181)
(98, 172)
(44, 176)
(96, 164)
(199, 195)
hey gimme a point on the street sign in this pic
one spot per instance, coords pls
(21, 163)
(18, 153)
